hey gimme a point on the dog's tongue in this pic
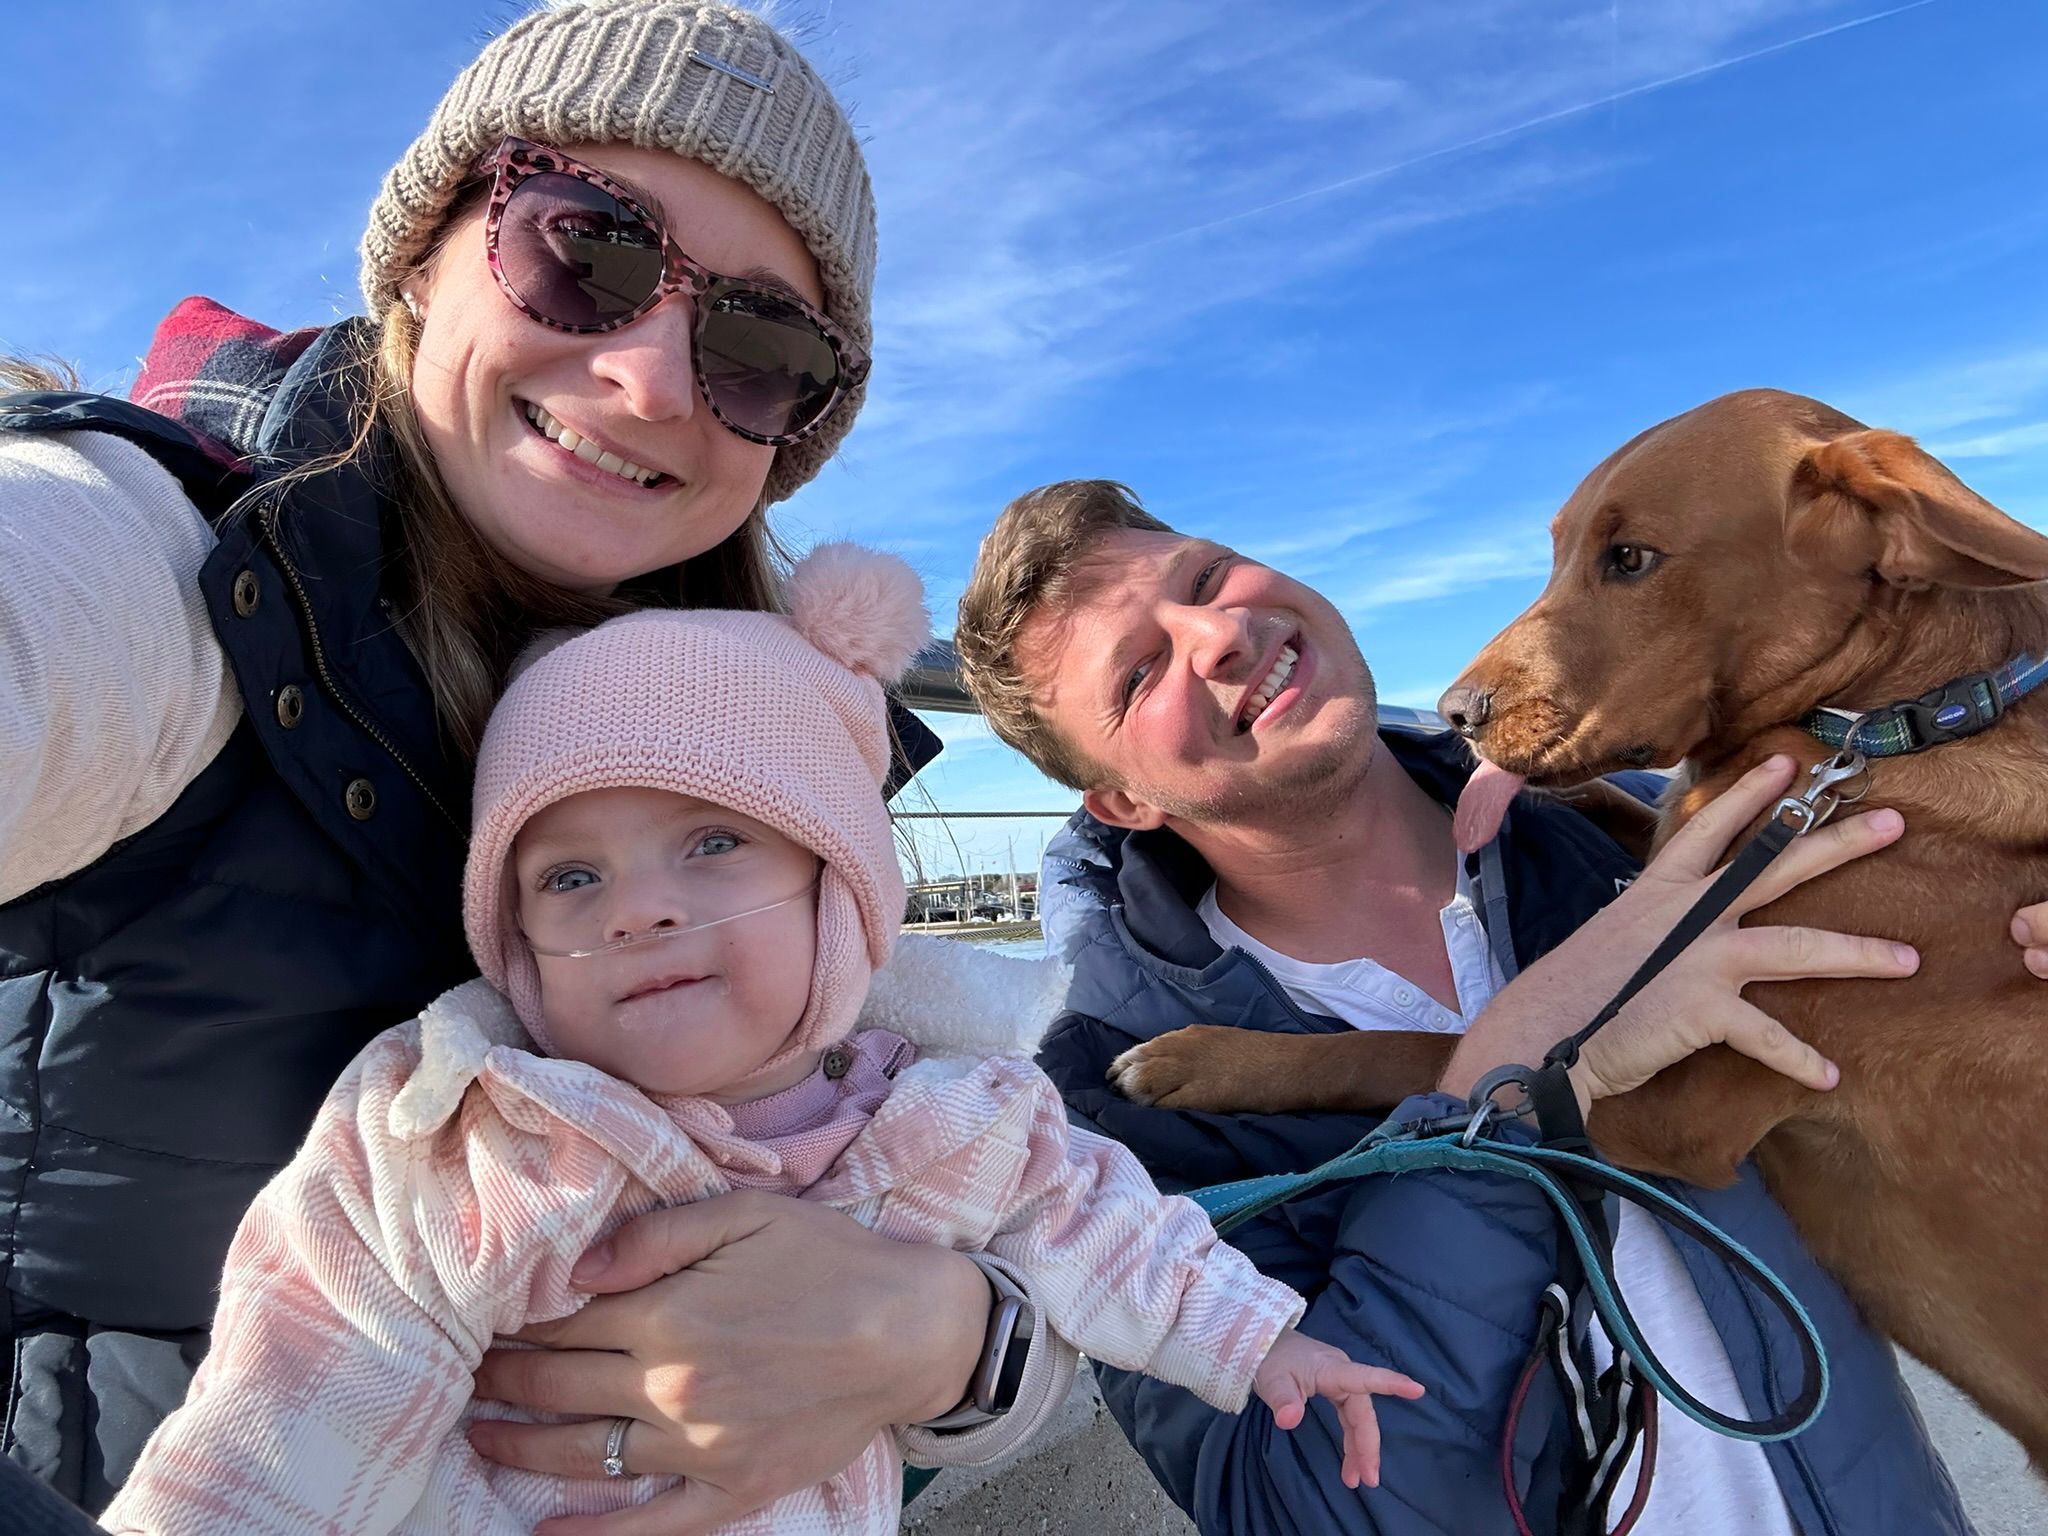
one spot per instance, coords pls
(1482, 805)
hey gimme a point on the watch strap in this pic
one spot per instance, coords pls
(1005, 1351)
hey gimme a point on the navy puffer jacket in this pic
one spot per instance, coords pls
(1436, 1274)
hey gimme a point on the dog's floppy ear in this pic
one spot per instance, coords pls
(1930, 529)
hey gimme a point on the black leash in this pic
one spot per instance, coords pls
(1619, 1412)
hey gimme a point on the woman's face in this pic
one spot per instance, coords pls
(482, 366)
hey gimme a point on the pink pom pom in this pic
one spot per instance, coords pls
(863, 608)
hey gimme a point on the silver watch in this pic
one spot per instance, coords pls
(1005, 1348)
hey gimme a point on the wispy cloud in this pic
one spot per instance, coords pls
(1041, 227)
(1516, 553)
(1516, 129)
(1939, 396)
(1993, 445)
(181, 48)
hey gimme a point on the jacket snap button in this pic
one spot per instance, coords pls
(291, 705)
(838, 1061)
(246, 593)
(361, 799)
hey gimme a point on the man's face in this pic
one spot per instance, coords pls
(1208, 687)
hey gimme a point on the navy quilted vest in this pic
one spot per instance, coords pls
(172, 1015)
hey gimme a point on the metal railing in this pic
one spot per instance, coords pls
(933, 682)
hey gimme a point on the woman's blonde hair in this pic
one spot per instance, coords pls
(21, 373)
(463, 608)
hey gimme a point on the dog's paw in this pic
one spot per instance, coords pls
(1192, 1068)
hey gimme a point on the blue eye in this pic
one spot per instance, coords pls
(715, 843)
(1202, 576)
(570, 879)
(1135, 680)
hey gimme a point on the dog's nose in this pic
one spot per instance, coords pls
(1465, 708)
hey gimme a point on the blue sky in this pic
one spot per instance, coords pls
(1362, 289)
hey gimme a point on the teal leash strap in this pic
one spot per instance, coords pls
(1613, 1307)
(1230, 1205)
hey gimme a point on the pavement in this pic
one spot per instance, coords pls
(1081, 1477)
(2003, 1495)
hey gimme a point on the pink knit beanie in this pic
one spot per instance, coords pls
(779, 718)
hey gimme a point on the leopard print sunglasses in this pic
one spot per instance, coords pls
(576, 251)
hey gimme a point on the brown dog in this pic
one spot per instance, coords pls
(1715, 579)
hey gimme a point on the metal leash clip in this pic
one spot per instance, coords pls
(1818, 801)
(1476, 1126)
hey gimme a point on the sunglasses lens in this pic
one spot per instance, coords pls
(765, 363)
(576, 254)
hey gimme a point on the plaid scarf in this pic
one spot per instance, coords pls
(215, 373)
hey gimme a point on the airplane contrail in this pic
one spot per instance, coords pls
(1575, 110)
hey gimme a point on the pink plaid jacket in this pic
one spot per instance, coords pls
(453, 1178)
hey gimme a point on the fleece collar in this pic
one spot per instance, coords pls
(951, 999)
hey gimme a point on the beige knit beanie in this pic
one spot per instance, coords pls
(664, 74)
(782, 719)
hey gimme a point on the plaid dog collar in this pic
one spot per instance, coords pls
(1960, 707)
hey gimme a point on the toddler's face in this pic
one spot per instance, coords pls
(695, 1010)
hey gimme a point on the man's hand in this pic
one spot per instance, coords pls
(1697, 1000)
(757, 1342)
(2030, 932)
(1298, 1367)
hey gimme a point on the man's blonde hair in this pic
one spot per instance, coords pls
(1026, 566)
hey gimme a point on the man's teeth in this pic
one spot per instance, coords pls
(588, 451)
(1261, 696)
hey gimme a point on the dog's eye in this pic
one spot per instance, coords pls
(1628, 561)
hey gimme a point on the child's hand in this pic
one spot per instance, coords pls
(1298, 1367)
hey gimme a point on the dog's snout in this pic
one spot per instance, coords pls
(1464, 708)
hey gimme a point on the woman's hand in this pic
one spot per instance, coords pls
(757, 1342)
(1697, 1000)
